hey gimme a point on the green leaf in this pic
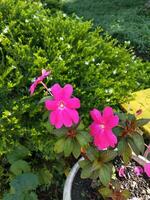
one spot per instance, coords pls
(105, 192)
(48, 126)
(122, 145)
(127, 154)
(59, 145)
(76, 149)
(18, 153)
(83, 138)
(108, 155)
(68, 146)
(45, 176)
(45, 98)
(81, 126)
(45, 115)
(105, 173)
(25, 182)
(139, 142)
(84, 163)
(92, 153)
(60, 132)
(126, 194)
(125, 150)
(21, 196)
(20, 166)
(96, 165)
(117, 131)
(86, 171)
(122, 116)
(142, 122)
(133, 146)
(31, 196)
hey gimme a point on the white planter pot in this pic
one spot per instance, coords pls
(69, 181)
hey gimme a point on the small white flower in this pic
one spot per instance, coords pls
(6, 29)
(106, 90)
(86, 63)
(133, 57)
(26, 20)
(61, 38)
(64, 15)
(77, 17)
(115, 71)
(69, 46)
(125, 71)
(93, 59)
(14, 67)
(110, 91)
(35, 17)
(98, 64)
(138, 83)
(107, 100)
(33, 80)
(127, 42)
(60, 58)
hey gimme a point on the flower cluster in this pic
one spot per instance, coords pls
(111, 135)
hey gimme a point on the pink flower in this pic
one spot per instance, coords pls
(138, 170)
(39, 80)
(121, 171)
(63, 106)
(138, 112)
(147, 169)
(101, 128)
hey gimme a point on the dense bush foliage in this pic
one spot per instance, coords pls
(52, 4)
(101, 71)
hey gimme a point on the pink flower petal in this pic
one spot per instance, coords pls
(74, 115)
(53, 117)
(51, 104)
(73, 103)
(96, 115)
(99, 142)
(45, 73)
(108, 112)
(147, 169)
(67, 91)
(66, 118)
(56, 91)
(59, 119)
(32, 88)
(109, 118)
(38, 80)
(114, 121)
(121, 171)
(138, 170)
(111, 138)
(94, 129)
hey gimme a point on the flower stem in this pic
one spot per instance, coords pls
(46, 88)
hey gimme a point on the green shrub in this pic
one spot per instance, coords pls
(101, 71)
(52, 4)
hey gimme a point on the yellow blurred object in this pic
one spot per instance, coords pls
(140, 102)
